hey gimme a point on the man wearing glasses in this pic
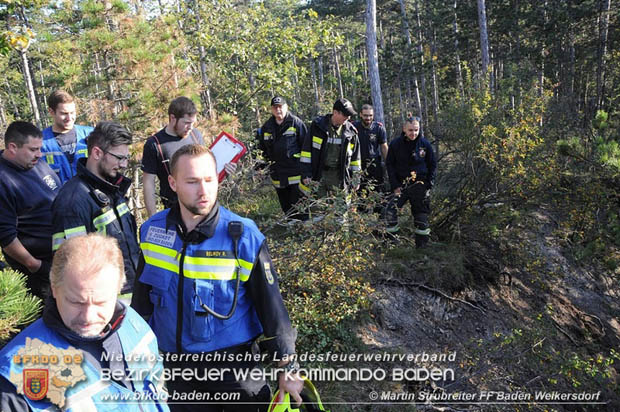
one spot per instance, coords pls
(95, 200)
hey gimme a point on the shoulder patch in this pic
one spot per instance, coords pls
(161, 236)
(268, 274)
(49, 181)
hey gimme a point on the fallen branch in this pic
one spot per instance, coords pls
(437, 291)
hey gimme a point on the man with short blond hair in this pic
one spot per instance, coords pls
(208, 285)
(64, 142)
(118, 351)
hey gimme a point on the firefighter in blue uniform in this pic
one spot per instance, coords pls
(95, 200)
(208, 285)
(119, 353)
(64, 142)
(280, 139)
(411, 166)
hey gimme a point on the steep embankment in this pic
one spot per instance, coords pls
(531, 320)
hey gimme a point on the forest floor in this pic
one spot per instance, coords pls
(544, 325)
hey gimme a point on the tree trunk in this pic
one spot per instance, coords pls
(459, 74)
(484, 41)
(424, 109)
(10, 95)
(411, 63)
(602, 51)
(321, 74)
(338, 76)
(205, 93)
(2, 114)
(317, 98)
(434, 84)
(30, 88)
(297, 103)
(373, 59)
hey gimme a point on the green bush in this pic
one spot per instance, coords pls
(17, 306)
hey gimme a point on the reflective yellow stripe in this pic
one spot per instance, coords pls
(304, 189)
(294, 179)
(425, 232)
(103, 220)
(215, 268)
(122, 209)
(49, 159)
(276, 183)
(195, 267)
(351, 146)
(355, 163)
(305, 157)
(316, 142)
(58, 238)
(82, 151)
(267, 136)
(161, 257)
(297, 155)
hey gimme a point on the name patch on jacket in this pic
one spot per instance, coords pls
(214, 253)
(161, 236)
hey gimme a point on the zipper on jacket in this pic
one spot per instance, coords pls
(179, 334)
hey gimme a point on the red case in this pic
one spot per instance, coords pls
(235, 159)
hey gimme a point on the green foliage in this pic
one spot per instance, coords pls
(17, 306)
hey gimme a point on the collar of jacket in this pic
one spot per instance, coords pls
(204, 230)
(106, 187)
(13, 165)
(52, 319)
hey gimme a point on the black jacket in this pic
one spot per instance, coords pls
(314, 151)
(281, 145)
(406, 156)
(88, 204)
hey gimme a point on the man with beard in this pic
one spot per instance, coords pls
(64, 142)
(113, 352)
(209, 288)
(160, 147)
(373, 145)
(27, 189)
(96, 199)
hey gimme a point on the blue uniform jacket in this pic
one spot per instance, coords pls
(80, 384)
(182, 271)
(57, 160)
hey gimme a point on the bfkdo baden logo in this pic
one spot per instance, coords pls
(36, 383)
(44, 372)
